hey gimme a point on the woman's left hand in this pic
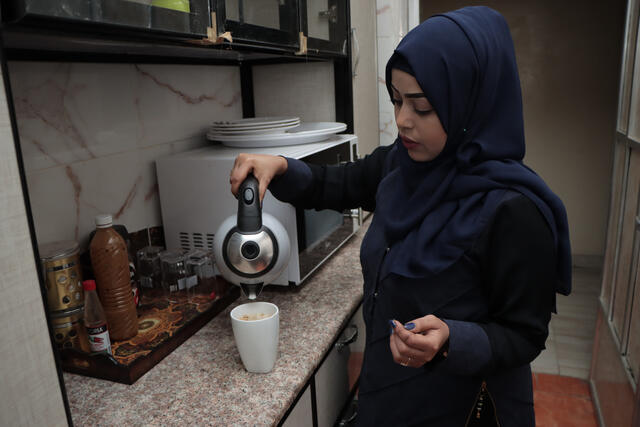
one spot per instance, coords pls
(418, 341)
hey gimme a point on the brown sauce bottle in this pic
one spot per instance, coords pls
(110, 262)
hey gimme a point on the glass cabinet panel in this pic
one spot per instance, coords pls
(257, 12)
(626, 71)
(269, 22)
(325, 24)
(177, 17)
(634, 103)
(623, 277)
(633, 346)
(620, 169)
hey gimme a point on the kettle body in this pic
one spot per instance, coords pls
(251, 249)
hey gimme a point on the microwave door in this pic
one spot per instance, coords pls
(320, 233)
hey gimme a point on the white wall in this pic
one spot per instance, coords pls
(29, 386)
(365, 80)
(392, 25)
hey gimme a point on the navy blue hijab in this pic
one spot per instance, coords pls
(431, 212)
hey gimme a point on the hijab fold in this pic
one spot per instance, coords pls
(430, 213)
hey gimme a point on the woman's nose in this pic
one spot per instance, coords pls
(403, 118)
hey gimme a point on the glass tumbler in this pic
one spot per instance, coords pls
(149, 273)
(200, 264)
(175, 278)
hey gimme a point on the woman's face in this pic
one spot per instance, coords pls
(418, 124)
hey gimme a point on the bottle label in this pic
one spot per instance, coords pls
(99, 339)
(136, 294)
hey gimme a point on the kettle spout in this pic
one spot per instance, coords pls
(251, 290)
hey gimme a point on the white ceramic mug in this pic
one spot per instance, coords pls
(257, 340)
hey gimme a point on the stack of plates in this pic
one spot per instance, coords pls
(271, 131)
(258, 125)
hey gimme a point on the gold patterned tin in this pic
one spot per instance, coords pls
(69, 330)
(63, 277)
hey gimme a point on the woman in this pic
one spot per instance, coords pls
(467, 246)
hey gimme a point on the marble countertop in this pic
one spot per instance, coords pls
(203, 381)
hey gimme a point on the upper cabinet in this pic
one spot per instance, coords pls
(263, 22)
(293, 27)
(325, 23)
(185, 18)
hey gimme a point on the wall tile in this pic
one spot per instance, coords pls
(90, 135)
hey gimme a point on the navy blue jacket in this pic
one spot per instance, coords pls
(497, 301)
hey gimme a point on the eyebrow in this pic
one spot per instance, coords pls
(410, 95)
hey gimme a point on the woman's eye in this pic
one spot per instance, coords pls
(423, 112)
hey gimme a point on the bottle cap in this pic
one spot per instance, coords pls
(104, 220)
(89, 285)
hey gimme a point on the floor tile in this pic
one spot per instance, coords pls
(547, 361)
(581, 373)
(561, 385)
(554, 410)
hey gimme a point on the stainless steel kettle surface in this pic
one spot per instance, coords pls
(251, 248)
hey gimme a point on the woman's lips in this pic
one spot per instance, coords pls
(408, 143)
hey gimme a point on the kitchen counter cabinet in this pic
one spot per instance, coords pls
(203, 381)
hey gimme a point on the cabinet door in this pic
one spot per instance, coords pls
(262, 22)
(622, 285)
(179, 17)
(332, 378)
(632, 352)
(620, 170)
(628, 58)
(325, 23)
(301, 415)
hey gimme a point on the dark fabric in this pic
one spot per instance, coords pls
(430, 213)
(502, 286)
(347, 186)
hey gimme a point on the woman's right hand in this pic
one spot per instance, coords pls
(264, 167)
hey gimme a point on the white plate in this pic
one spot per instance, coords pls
(273, 129)
(250, 127)
(255, 121)
(303, 134)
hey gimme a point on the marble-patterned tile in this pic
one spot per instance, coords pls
(391, 18)
(391, 26)
(69, 112)
(65, 199)
(175, 102)
(73, 112)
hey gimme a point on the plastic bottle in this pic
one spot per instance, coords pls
(110, 262)
(95, 321)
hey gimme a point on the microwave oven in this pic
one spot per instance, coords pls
(195, 197)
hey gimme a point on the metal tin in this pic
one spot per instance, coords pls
(63, 277)
(69, 330)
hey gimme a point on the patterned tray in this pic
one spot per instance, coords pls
(162, 327)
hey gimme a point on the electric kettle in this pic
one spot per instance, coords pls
(252, 248)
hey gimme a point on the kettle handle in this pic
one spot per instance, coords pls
(249, 210)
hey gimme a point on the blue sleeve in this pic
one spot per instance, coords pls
(469, 350)
(293, 183)
(338, 187)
